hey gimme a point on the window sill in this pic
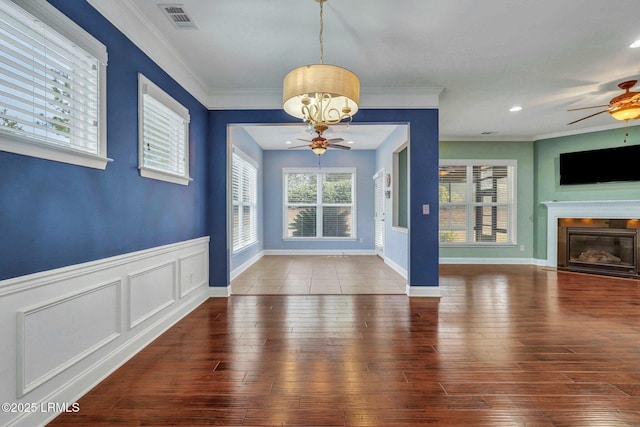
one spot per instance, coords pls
(27, 147)
(399, 229)
(164, 176)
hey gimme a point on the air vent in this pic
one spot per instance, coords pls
(178, 16)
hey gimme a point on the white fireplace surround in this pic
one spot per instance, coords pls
(615, 209)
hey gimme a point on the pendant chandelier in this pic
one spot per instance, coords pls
(321, 94)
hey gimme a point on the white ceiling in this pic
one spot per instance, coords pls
(485, 56)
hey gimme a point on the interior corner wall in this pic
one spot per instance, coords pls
(423, 261)
(396, 240)
(55, 214)
(240, 139)
(217, 177)
(547, 175)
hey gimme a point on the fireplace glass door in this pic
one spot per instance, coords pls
(602, 250)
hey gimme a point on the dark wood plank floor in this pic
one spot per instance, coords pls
(504, 346)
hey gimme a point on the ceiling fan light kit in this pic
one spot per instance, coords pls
(626, 112)
(321, 94)
(622, 107)
(318, 150)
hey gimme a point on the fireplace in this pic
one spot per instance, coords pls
(594, 214)
(611, 251)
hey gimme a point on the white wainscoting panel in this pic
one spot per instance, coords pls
(56, 334)
(150, 291)
(194, 272)
(63, 331)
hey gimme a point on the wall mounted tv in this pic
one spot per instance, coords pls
(605, 165)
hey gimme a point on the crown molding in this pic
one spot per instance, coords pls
(374, 98)
(617, 125)
(127, 18)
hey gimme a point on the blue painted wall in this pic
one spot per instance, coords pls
(240, 138)
(54, 214)
(275, 161)
(396, 240)
(423, 185)
(423, 235)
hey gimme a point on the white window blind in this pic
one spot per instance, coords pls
(477, 202)
(319, 204)
(52, 90)
(164, 135)
(244, 183)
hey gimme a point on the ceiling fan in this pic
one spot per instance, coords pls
(320, 144)
(622, 107)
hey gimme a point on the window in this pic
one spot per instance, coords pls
(401, 187)
(163, 144)
(319, 204)
(52, 86)
(244, 184)
(477, 202)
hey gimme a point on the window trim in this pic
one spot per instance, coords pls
(147, 87)
(243, 157)
(319, 172)
(400, 182)
(469, 204)
(26, 146)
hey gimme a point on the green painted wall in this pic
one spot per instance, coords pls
(547, 175)
(524, 154)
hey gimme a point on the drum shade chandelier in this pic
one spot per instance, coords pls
(321, 94)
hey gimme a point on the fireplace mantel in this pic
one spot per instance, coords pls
(623, 209)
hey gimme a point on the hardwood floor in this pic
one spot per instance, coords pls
(504, 346)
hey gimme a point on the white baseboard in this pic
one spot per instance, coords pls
(326, 252)
(245, 265)
(77, 324)
(219, 291)
(525, 261)
(423, 291)
(400, 270)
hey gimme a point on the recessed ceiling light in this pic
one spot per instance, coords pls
(349, 142)
(635, 44)
(288, 142)
(515, 108)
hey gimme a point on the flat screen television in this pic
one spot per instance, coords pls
(605, 165)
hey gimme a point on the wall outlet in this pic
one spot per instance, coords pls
(521, 248)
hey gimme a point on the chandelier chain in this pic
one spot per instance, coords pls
(321, 31)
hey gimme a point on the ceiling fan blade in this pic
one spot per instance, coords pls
(341, 147)
(335, 140)
(299, 146)
(584, 118)
(586, 108)
(305, 140)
